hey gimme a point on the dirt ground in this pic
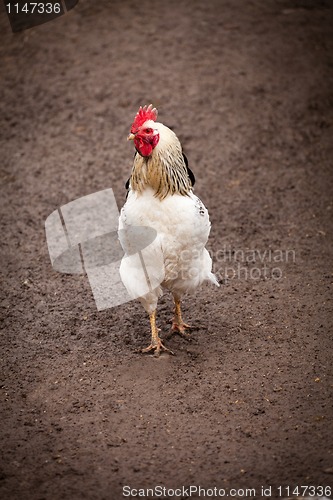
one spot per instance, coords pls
(248, 88)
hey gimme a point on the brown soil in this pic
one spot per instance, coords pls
(247, 86)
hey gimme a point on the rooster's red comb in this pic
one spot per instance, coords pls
(145, 113)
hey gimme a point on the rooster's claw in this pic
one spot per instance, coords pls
(157, 349)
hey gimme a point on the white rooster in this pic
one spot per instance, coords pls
(160, 197)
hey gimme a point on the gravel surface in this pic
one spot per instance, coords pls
(247, 87)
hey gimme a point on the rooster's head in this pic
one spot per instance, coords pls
(144, 132)
(160, 162)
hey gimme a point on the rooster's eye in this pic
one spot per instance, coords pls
(149, 130)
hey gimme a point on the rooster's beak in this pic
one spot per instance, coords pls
(130, 137)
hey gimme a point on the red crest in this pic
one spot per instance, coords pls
(144, 114)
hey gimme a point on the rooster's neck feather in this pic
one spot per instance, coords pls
(165, 170)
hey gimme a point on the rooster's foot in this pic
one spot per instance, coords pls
(180, 329)
(157, 347)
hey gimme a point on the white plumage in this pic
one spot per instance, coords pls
(182, 226)
(161, 197)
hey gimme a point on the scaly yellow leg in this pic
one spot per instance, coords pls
(156, 343)
(178, 325)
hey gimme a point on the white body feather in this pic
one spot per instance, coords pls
(177, 260)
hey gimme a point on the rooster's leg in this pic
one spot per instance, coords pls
(178, 325)
(156, 343)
